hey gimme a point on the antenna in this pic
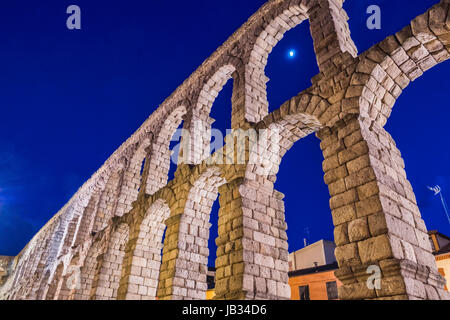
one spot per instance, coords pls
(438, 191)
(305, 239)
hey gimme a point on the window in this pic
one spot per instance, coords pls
(210, 282)
(332, 291)
(433, 248)
(304, 292)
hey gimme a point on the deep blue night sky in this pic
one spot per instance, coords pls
(70, 98)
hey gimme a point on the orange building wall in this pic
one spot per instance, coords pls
(210, 294)
(442, 272)
(317, 284)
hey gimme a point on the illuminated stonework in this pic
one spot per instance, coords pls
(106, 242)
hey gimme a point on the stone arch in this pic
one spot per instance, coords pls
(160, 156)
(31, 274)
(296, 119)
(108, 199)
(19, 270)
(277, 24)
(109, 268)
(43, 285)
(85, 224)
(386, 69)
(70, 234)
(71, 222)
(143, 258)
(51, 248)
(20, 274)
(199, 124)
(185, 256)
(211, 90)
(57, 237)
(377, 221)
(54, 285)
(71, 279)
(28, 274)
(42, 276)
(88, 271)
(260, 243)
(132, 177)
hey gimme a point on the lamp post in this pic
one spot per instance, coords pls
(438, 191)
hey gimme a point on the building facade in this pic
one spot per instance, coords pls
(317, 283)
(440, 244)
(311, 272)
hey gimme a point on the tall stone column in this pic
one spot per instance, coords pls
(109, 265)
(242, 112)
(171, 277)
(252, 249)
(379, 232)
(196, 146)
(142, 261)
(330, 32)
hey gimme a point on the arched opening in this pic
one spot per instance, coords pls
(160, 162)
(175, 147)
(310, 233)
(306, 195)
(291, 198)
(284, 52)
(140, 280)
(53, 288)
(200, 126)
(141, 172)
(71, 280)
(256, 78)
(85, 225)
(70, 234)
(43, 285)
(291, 65)
(212, 247)
(107, 279)
(108, 200)
(187, 245)
(220, 112)
(132, 177)
(33, 273)
(88, 272)
(142, 167)
(425, 149)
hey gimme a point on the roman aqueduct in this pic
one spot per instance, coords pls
(106, 242)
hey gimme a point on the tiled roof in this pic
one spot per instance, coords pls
(444, 249)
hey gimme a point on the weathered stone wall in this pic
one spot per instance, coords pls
(107, 241)
(4, 267)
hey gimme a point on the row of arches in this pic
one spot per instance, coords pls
(125, 262)
(123, 184)
(123, 259)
